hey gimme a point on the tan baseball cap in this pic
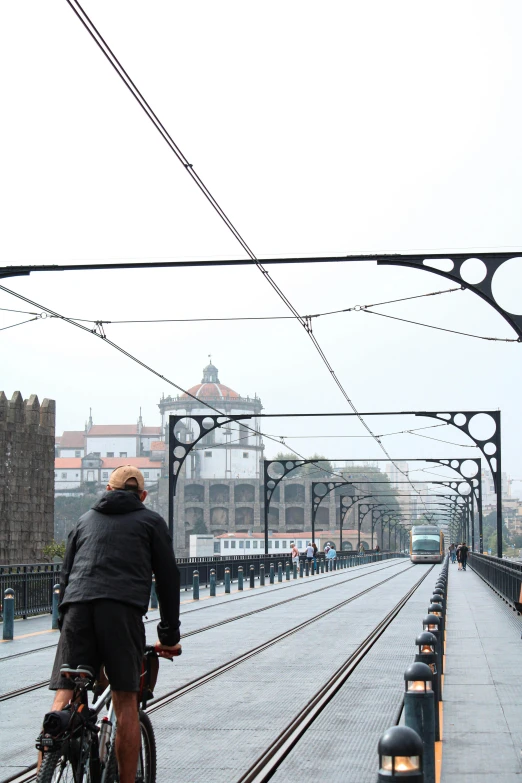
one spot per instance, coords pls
(125, 473)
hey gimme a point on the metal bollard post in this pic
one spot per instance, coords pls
(262, 575)
(9, 607)
(301, 568)
(195, 586)
(252, 577)
(322, 565)
(279, 572)
(295, 569)
(335, 564)
(56, 599)
(272, 573)
(153, 594)
(212, 582)
(307, 569)
(419, 712)
(400, 756)
(427, 653)
(227, 580)
(287, 571)
(240, 578)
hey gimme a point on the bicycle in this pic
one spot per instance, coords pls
(78, 746)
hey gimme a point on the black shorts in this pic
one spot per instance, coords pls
(101, 632)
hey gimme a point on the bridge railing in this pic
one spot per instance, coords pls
(33, 583)
(504, 576)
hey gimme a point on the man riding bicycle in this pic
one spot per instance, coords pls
(105, 587)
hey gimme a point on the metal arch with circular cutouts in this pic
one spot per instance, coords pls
(178, 450)
(455, 262)
(490, 447)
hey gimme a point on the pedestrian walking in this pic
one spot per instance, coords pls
(452, 552)
(463, 555)
(361, 548)
(331, 554)
(457, 554)
(310, 553)
(315, 555)
(295, 554)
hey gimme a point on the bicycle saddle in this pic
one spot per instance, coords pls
(80, 671)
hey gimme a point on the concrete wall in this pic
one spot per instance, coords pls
(26, 478)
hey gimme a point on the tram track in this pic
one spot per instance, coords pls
(248, 593)
(42, 684)
(267, 763)
(270, 759)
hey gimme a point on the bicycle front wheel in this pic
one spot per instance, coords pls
(146, 771)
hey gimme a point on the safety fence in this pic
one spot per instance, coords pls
(33, 583)
(504, 576)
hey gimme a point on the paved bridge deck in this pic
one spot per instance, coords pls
(482, 686)
(220, 728)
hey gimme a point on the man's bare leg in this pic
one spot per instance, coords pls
(61, 698)
(127, 734)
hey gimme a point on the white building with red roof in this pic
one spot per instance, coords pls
(229, 452)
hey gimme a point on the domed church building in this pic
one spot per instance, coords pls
(219, 489)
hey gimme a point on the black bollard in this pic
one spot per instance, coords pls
(307, 569)
(262, 575)
(9, 610)
(419, 712)
(287, 571)
(212, 582)
(227, 580)
(427, 653)
(252, 577)
(195, 585)
(272, 573)
(240, 578)
(400, 756)
(56, 601)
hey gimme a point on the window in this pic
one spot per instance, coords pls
(98, 454)
(245, 455)
(208, 453)
(232, 545)
(283, 544)
(247, 544)
(270, 544)
(276, 544)
(145, 474)
(64, 475)
(110, 453)
(105, 474)
(299, 544)
(254, 544)
(226, 544)
(122, 454)
(55, 474)
(241, 544)
(78, 453)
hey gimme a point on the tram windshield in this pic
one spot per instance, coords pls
(424, 542)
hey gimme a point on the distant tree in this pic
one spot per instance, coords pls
(54, 549)
(322, 470)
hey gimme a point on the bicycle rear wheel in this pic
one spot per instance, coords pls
(56, 768)
(146, 772)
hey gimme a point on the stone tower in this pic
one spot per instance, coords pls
(26, 477)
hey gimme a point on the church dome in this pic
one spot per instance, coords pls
(210, 387)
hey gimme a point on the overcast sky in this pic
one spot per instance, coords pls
(332, 127)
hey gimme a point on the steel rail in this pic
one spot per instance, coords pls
(29, 774)
(247, 594)
(265, 766)
(35, 686)
(168, 698)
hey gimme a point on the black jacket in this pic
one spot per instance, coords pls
(113, 552)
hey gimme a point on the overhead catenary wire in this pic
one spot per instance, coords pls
(305, 323)
(103, 336)
(444, 329)
(12, 326)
